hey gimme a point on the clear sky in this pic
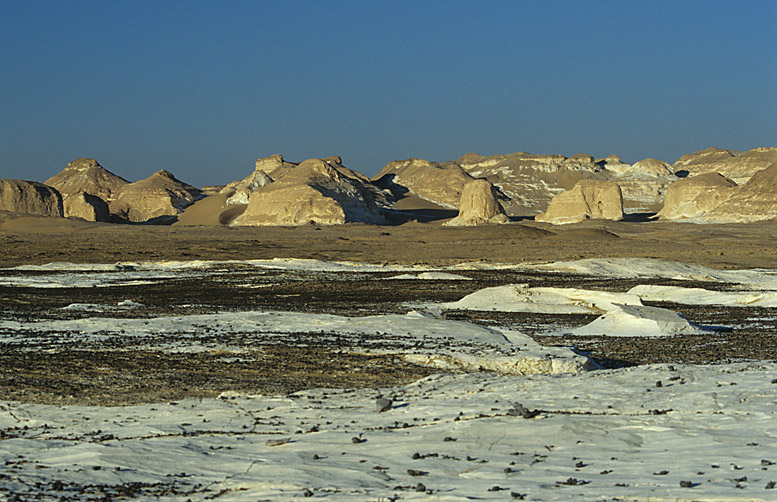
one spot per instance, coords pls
(205, 88)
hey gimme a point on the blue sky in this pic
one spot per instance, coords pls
(205, 88)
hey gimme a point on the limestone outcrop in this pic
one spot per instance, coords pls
(87, 207)
(614, 165)
(756, 200)
(695, 196)
(30, 197)
(736, 165)
(651, 168)
(87, 175)
(315, 191)
(479, 205)
(158, 198)
(643, 185)
(440, 183)
(588, 199)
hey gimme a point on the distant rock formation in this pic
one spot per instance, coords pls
(614, 165)
(479, 205)
(30, 197)
(530, 181)
(87, 207)
(588, 199)
(643, 184)
(756, 200)
(651, 168)
(695, 196)
(739, 166)
(158, 198)
(87, 175)
(315, 191)
(440, 183)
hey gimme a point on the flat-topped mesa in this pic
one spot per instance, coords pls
(756, 200)
(30, 197)
(440, 183)
(158, 198)
(588, 199)
(479, 205)
(87, 175)
(739, 166)
(694, 196)
(315, 191)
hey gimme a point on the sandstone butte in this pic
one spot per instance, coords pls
(87, 188)
(588, 199)
(479, 205)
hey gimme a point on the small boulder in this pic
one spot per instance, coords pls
(479, 205)
(588, 199)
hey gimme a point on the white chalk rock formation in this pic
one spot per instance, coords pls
(651, 168)
(695, 196)
(639, 320)
(614, 165)
(756, 200)
(158, 198)
(644, 185)
(588, 199)
(86, 206)
(312, 192)
(440, 183)
(738, 166)
(87, 175)
(479, 205)
(30, 197)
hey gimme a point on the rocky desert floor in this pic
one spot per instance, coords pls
(204, 363)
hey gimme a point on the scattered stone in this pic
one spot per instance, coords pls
(416, 472)
(307, 493)
(686, 484)
(357, 440)
(770, 485)
(277, 442)
(420, 487)
(383, 404)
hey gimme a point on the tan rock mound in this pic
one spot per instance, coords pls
(86, 206)
(87, 175)
(158, 198)
(530, 181)
(312, 192)
(695, 196)
(30, 197)
(739, 166)
(479, 205)
(756, 200)
(588, 199)
(644, 185)
(614, 165)
(440, 183)
(651, 168)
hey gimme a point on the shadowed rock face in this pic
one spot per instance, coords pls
(588, 199)
(158, 197)
(30, 197)
(479, 205)
(315, 191)
(87, 207)
(87, 175)
(739, 166)
(695, 196)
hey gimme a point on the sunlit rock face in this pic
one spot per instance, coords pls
(440, 183)
(86, 206)
(158, 198)
(588, 199)
(30, 197)
(756, 200)
(695, 196)
(87, 175)
(479, 205)
(315, 191)
(739, 166)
